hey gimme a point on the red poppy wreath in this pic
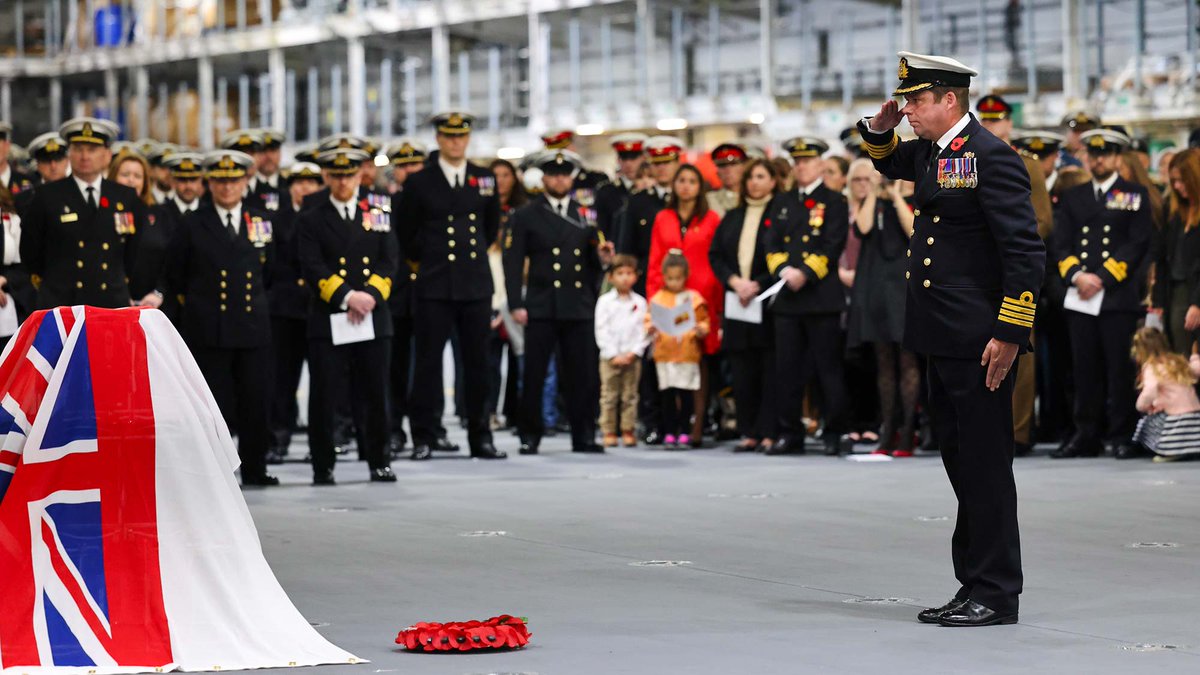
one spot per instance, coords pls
(498, 632)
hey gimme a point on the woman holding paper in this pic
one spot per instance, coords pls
(739, 260)
(687, 224)
(883, 220)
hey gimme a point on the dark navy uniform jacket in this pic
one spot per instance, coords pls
(807, 233)
(447, 231)
(564, 266)
(634, 227)
(290, 294)
(976, 261)
(1109, 238)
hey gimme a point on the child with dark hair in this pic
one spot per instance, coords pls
(621, 337)
(677, 357)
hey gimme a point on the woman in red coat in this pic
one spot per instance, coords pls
(687, 224)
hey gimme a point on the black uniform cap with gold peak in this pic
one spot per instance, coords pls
(89, 130)
(227, 164)
(662, 149)
(124, 148)
(146, 146)
(558, 162)
(993, 107)
(48, 146)
(271, 138)
(452, 122)
(726, 154)
(302, 170)
(805, 146)
(306, 153)
(1080, 121)
(161, 152)
(1040, 143)
(1104, 141)
(342, 142)
(185, 164)
(407, 151)
(342, 161)
(919, 72)
(244, 140)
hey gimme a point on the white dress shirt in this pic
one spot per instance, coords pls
(344, 208)
(185, 207)
(455, 175)
(620, 324)
(6, 175)
(1106, 185)
(560, 205)
(12, 238)
(236, 212)
(272, 181)
(84, 186)
(808, 189)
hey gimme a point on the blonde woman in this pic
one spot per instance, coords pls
(132, 170)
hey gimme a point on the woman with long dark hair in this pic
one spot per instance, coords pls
(739, 261)
(687, 224)
(512, 197)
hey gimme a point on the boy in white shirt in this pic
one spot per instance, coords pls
(621, 337)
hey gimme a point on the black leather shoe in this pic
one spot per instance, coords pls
(421, 453)
(835, 446)
(262, 480)
(383, 475)
(444, 445)
(786, 446)
(529, 449)
(652, 438)
(1022, 449)
(488, 451)
(971, 613)
(1078, 448)
(1128, 451)
(592, 448)
(324, 478)
(932, 614)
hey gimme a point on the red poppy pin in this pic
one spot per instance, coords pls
(809, 203)
(362, 204)
(472, 181)
(957, 143)
(103, 202)
(767, 222)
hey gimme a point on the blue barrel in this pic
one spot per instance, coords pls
(108, 26)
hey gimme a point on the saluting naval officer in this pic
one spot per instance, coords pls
(348, 255)
(975, 268)
(218, 261)
(79, 235)
(612, 196)
(804, 235)
(1100, 243)
(449, 214)
(558, 237)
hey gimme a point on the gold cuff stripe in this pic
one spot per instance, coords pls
(1013, 315)
(384, 286)
(329, 286)
(882, 151)
(775, 260)
(1066, 264)
(818, 264)
(1119, 270)
(1016, 322)
(1018, 309)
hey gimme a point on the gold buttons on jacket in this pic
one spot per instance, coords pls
(929, 241)
(223, 284)
(104, 266)
(1107, 228)
(937, 219)
(366, 272)
(926, 283)
(555, 250)
(557, 283)
(1083, 243)
(804, 239)
(342, 273)
(471, 229)
(787, 240)
(299, 282)
(474, 255)
(224, 296)
(80, 243)
(908, 275)
(342, 261)
(557, 267)
(908, 253)
(471, 216)
(412, 276)
(249, 309)
(247, 297)
(928, 262)
(579, 268)
(366, 260)
(222, 308)
(1104, 241)
(79, 264)
(249, 285)
(1085, 229)
(578, 284)
(450, 219)
(104, 287)
(104, 246)
(1104, 255)
(78, 284)
(224, 273)
(450, 257)
(1083, 255)
(452, 243)
(473, 242)
(449, 230)
(916, 212)
(578, 253)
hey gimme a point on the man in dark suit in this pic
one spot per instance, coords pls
(612, 196)
(348, 256)
(558, 236)
(807, 232)
(975, 268)
(219, 261)
(80, 234)
(1100, 242)
(267, 184)
(289, 297)
(449, 214)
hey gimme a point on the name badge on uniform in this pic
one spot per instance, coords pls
(380, 202)
(1123, 201)
(487, 186)
(957, 172)
(271, 201)
(260, 231)
(377, 221)
(68, 217)
(124, 222)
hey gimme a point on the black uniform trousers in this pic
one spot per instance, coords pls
(289, 341)
(649, 403)
(1103, 372)
(367, 363)
(806, 347)
(754, 392)
(401, 374)
(438, 318)
(1054, 377)
(974, 430)
(240, 382)
(575, 341)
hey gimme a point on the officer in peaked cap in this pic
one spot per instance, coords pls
(1074, 124)
(11, 178)
(1045, 146)
(159, 152)
(348, 256)
(449, 213)
(50, 152)
(79, 234)
(267, 182)
(975, 269)
(219, 259)
(249, 141)
(587, 182)
(612, 196)
(305, 154)
(1101, 241)
(852, 141)
(406, 156)
(729, 158)
(558, 237)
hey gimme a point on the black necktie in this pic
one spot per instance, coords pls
(562, 209)
(1099, 195)
(933, 156)
(229, 226)
(91, 198)
(346, 214)
(457, 181)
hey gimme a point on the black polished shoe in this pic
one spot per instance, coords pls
(324, 478)
(971, 613)
(838, 445)
(383, 475)
(529, 448)
(444, 445)
(652, 438)
(786, 446)
(1022, 449)
(593, 448)
(1129, 451)
(1078, 448)
(932, 614)
(487, 451)
(261, 480)
(421, 453)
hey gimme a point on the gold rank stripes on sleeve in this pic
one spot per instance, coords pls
(881, 151)
(1119, 270)
(1066, 264)
(329, 286)
(1019, 312)
(818, 264)
(775, 261)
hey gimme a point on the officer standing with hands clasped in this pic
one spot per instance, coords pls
(560, 239)
(975, 267)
